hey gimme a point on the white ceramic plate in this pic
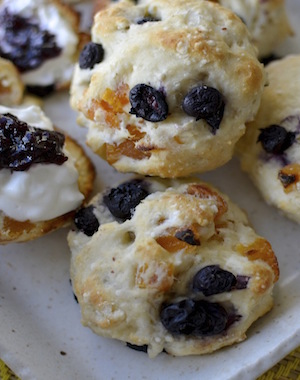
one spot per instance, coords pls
(40, 332)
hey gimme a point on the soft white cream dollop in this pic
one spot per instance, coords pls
(43, 192)
(54, 70)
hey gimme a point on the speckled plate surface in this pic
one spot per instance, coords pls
(40, 329)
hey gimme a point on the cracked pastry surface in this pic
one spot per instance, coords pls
(269, 152)
(169, 265)
(267, 21)
(164, 86)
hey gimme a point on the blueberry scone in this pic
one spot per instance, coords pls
(44, 175)
(165, 89)
(169, 265)
(41, 37)
(270, 150)
(267, 22)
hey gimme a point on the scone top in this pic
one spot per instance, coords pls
(171, 264)
(191, 64)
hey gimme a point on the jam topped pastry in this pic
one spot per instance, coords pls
(42, 39)
(164, 84)
(44, 175)
(178, 269)
(270, 150)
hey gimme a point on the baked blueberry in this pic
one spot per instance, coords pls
(187, 236)
(143, 20)
(213, 280)
(275, 139)
(91, 54)
(41, 91)
(21, 145)
(121, 201)
(148, 103)
(143, 348)
(86, 221)
(206, 103)
(191, 317)
(25, 43)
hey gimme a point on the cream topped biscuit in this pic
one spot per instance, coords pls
(42, 39)
(40, 175)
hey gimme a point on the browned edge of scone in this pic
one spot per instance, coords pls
(13, 231)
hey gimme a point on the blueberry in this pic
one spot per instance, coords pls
(41, 91)
(21, 145)
(121, 201)
(148, 103)
(86, 221)
(275, 139)
(91, 54)
(206, 103)
(187, 236)
(213, 280)
(192, 317)
(145, 19)
(24, 42)
(241, 282)
(74, 295)
(143, 348)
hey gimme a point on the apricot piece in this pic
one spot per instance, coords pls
(204, 192)
(261, 249)
(289, 176)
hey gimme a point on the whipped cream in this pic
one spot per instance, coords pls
(54, 70)
(44, 191)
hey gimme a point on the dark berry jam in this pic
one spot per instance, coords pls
(206, 103)
(192, 317)
(25, 43)
(86, 221)
(187, 236)
(22, 145)
(213, 280)
(91, 54)
(121, 201)
(148, 103)
(275, 139)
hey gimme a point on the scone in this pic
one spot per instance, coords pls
(44, 176)
(171, 265)
(41, 37)
(267, 22)
(165, 89)
(11, 85)
(270, 151)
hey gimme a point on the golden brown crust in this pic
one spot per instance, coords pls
(11, 85)
(16, 231)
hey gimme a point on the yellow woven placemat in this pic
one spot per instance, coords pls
(287, 369)
(6, 373)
